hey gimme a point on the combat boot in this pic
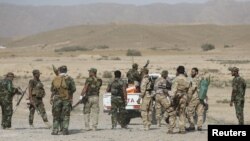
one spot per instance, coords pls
(199, 128)
(54, 133)
(32, 126)
(48, 125)
(190, 129)
(170, 132)
(65, 132)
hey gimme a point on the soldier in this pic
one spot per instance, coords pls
(133, 75)
(238, 94)
(62, 88)
(162, 99)
(179, 92)
(161, 87)
(36, 95)
(194, 103)
(91, 106)
(147, 102)
(7, 92)
(118, 100)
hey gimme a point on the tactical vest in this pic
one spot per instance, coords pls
(61, 86)
(94, 86)
(38, 89)
(117, 87)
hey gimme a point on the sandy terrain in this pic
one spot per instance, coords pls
(22, 60)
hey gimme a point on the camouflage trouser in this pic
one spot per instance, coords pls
(40, 107)
(166, 104)
(7, 112)
(91, 110)
(118, 111)
(61, 114)
(181, 107)
(159, 111)
(195, 105)
(239, 108)
(146, 111)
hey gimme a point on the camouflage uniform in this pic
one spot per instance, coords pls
(162, 100)
(91, 106)
(238, 96)
(62, 100)
(146, 105)
(37, 93)
(133, 75)
(118, 103)
(179, 90)
(7, 91)
(195, 104)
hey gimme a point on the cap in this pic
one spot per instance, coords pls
(36, 72)
(10, 74)
(94, 70)
(164, 72)
(63, 68)
(233, 69)
(135, 65)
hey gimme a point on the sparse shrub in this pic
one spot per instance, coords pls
(102, 47)
(132, 52)
(224, 101)
(107, 74)
(39, 59)
(103, 58)
(207, 47)
(115, 58)
(72, 48)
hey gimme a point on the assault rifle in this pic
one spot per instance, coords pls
(22, 94)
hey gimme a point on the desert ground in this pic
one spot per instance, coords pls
(27, 54)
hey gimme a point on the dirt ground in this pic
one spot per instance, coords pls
(219, 113)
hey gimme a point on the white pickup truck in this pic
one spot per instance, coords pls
(133, 108)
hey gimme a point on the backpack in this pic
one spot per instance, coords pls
(61, 86)
(203, 87)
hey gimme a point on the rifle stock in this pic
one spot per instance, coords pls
(18, 102)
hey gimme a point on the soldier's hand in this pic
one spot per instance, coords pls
(231, 104)
(139, 101)
(51, 101)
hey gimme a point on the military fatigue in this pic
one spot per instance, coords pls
(91, 107)
(133, 75)
(7, 92)
(37, 92)
(179, 90)
(162, 100)
(146, 105)
(62, 102)
(195, 105)
(118, 111)
(238, 97)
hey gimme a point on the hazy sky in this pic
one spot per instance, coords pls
(74, 2)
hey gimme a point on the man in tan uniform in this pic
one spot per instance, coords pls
(91, 106)
(160, 87)
(194, 103)
(179, 92)
(162, 99)
(146, 105)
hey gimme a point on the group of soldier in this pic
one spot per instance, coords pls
(178, 98)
